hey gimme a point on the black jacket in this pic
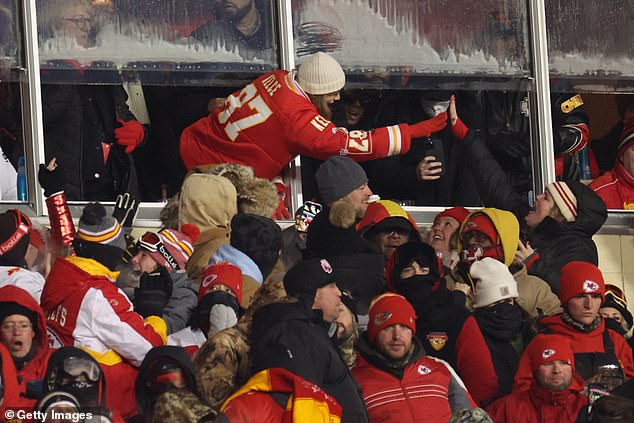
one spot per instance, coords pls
(557, 243)
(78, 121)
(295, 338)
(395, 177)
(167, 353)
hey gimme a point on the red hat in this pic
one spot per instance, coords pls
(389, 309)
(546, 348)
(482, 223)
(627, 138)
(579, 277)
(222, 273)
(458, 213)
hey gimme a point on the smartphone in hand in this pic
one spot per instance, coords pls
(433, 147)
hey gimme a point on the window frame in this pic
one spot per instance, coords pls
(619, 222)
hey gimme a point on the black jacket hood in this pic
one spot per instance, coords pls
(177, 356)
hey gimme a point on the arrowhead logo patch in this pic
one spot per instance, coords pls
(437, 340)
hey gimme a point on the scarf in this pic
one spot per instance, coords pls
(580, 326)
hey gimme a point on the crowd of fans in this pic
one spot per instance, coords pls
(351, 314)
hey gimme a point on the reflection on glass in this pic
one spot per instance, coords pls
(590, 38)
(427, 36)
(138, 33)
(8, 38)
(12, 186)
(11, 142)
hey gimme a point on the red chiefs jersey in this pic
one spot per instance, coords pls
(270, 121)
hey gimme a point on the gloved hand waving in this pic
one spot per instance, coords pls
(51, 178)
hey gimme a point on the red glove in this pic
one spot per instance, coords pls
(429, 126)
(130, 134)
(281, 212)
(459, 129)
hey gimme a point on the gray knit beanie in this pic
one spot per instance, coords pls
(337, 177)
(95, 225)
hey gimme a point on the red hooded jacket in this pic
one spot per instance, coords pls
(539, 405)
(9, 379)
(34, 369)
(580, 343)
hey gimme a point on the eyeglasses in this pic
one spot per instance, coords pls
(80, 20)
(396, 231)
(151, 242)
(16, 327)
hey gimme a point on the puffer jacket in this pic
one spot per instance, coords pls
(425, 389)
(559, 243)
(581, 343)
(616, 188)
(182, 303)
(539, 405)
(301, 401)
(30, 372)
(212, 214)
(295, 338)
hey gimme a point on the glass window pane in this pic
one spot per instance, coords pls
(589, 38)
(183, 41)
(501, 118)
(11, 133)
(9, 41)
(121, 80)
(416, 37)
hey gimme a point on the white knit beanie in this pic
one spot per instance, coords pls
(321, 74)
(564, 199)
(495, 282)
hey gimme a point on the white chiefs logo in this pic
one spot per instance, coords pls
(325, 266)
(209, 279)
(548, 353)
(423, 370)
(590, 286)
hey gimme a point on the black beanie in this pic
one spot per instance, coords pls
(422, 253)
(306, 277)
(12, 253)
(258, 237)
(11, 308)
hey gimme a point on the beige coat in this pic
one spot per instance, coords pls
(209, 202)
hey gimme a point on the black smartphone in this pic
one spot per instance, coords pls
(433, 147)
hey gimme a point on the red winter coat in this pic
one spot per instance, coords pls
(306, 401)
(270, 121)
(86, 310)
(616, 188)
(580, 343)
(9, 380)
(539, 405)
(34, 369)
(428, 391)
